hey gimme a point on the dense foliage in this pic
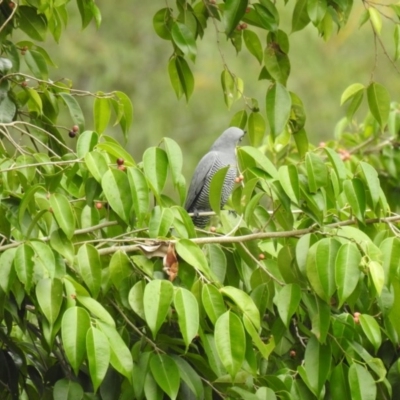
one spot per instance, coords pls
(108, 291)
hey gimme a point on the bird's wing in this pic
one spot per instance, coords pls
(199, 178)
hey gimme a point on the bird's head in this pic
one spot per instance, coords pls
(229, 139)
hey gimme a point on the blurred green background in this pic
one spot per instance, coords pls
(125, 54)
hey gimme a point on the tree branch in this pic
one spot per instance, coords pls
(252, 236)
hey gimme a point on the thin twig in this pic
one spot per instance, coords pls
(254, 236)
(261, 265)
(136, 329)
(73, 92)
(15, 123)
(10, 16)
(41, 164)
(77, 232)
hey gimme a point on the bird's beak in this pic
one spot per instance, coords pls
(244, 132)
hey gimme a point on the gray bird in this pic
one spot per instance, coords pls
(221, 154)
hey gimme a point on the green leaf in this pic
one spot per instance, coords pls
(44, 260)
(372, 184)
(213, 302)
(63, 213)
(216, 189)
(354, 104)
(217, 261)
(265, 349)
(175, 161)
(351, 91)
(362, 384)
(101, 113)
(175, 78)
(289, 179)
(86, 12)
(23, 264)
(117, 190)
(234, 10)
(244, 302)
(60, 243)
(337, 164)
(95, 308)
(320, 316)
(376, 19)
(372, 330)
(379, 102)
(183, 222)
(157, 299)
(184, 39)
(120, 267)
(97, 165)
(396, 36)
(229, 87)
(244, 394)
(230, 341)
(347, 272)
(253, 44)
(44, 54)
(316, 10)
(194, 256)
(278, 103)
(139, 193)
(355, 195)
(300, 18)
(98, 350)
(265, 393)
(160, 222)
(125, 110)
(185, 76)
(120, 356)
(166, 374)
(339, 384)
(187, 309)
(49, 294)
(37, 64)
(74, 110)
(35, 102)
(258, 158)
(256, 128)
(155, 166)
(317, 360)
(377, 274)
(394, 313)
(267, 14)
(320, 267)
(7, 270)
(135, 298)
(317, 172)
(67, 390)
(116, 150)
(190, 377)
(74, 326)
(287, 302)
(277, 64)
(162, 23)
(151, 390)
(86, 142)
(32, 23)
(89, 267)
(239, 119)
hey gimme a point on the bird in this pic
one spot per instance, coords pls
(221, 154)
